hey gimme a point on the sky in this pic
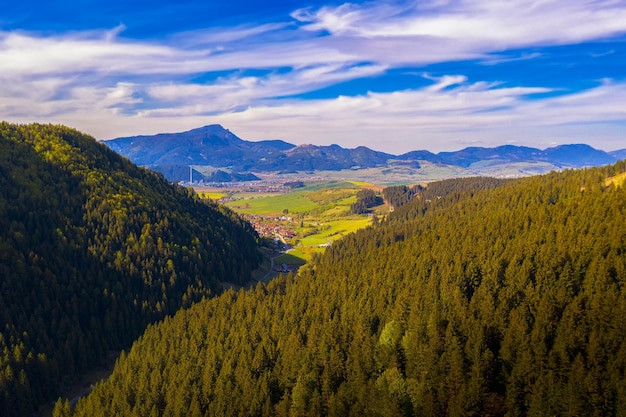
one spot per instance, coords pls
(394, 76)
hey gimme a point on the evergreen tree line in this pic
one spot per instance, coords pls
(92, 249)
(365, 199)
(500, 298)
(399, 195)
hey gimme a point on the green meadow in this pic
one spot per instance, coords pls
(326, 232)
(264, 204)
(317, 236)
(316, 197)
(320, 210)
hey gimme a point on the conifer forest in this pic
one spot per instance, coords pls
(474, 297)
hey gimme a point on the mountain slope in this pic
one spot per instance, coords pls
(217, 147)
(475, 298)
(619, 154)
(578, 156)
(208, 145)
(333, 157)
(92, 249)
(510, 153)
(172, 153)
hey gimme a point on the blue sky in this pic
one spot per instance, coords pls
(391, 75)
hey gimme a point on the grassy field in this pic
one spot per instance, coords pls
(272, 204)
(317, 236)
(316, 198)
(362, 184)
(211, 195)
(325, 232)
(289, 259)
(320, 213)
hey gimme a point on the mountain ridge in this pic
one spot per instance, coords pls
(92, 250)
(219, 148)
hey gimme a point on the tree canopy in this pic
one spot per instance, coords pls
(494, 298)
(92, 249)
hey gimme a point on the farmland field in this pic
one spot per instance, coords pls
(271, 204)
(317, 236)
(211, 195)
(309, 218)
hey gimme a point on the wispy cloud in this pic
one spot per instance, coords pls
(250, 77)
(216, 36)
(482, 23)
(500, 58)
(237, 92)
(443, 119)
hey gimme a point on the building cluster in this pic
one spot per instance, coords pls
(271, 226)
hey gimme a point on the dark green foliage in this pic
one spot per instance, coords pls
(92, 249)
(365, 199)
(399, 195)
(294, 184)
(507, 301)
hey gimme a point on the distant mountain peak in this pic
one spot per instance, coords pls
(217, 147)
(578, 155)
(215, 129)
(573, 146)
(308, 146)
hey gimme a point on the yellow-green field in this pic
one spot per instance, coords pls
(334, 198)
(317, 236)
(289, 259)
(271, 204)
(362, 184)
(321, 214)
(325, 232)
(211, 195)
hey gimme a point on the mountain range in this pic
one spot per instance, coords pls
(225, 157)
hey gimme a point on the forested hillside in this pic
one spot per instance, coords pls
(504, 301)
(92, 249)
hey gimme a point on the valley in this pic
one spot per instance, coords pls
(392, 208)
(309, 294)
(474, 296)
(298, 222)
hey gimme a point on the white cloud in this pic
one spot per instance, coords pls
(482, 24)
(443, 120)
(238, 92)
(217, 36)
(433, 119)
(495, 59)
(22, 54)
(335, 20)
(111, 86)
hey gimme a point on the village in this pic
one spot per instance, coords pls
(281, 231)
(273, 226)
